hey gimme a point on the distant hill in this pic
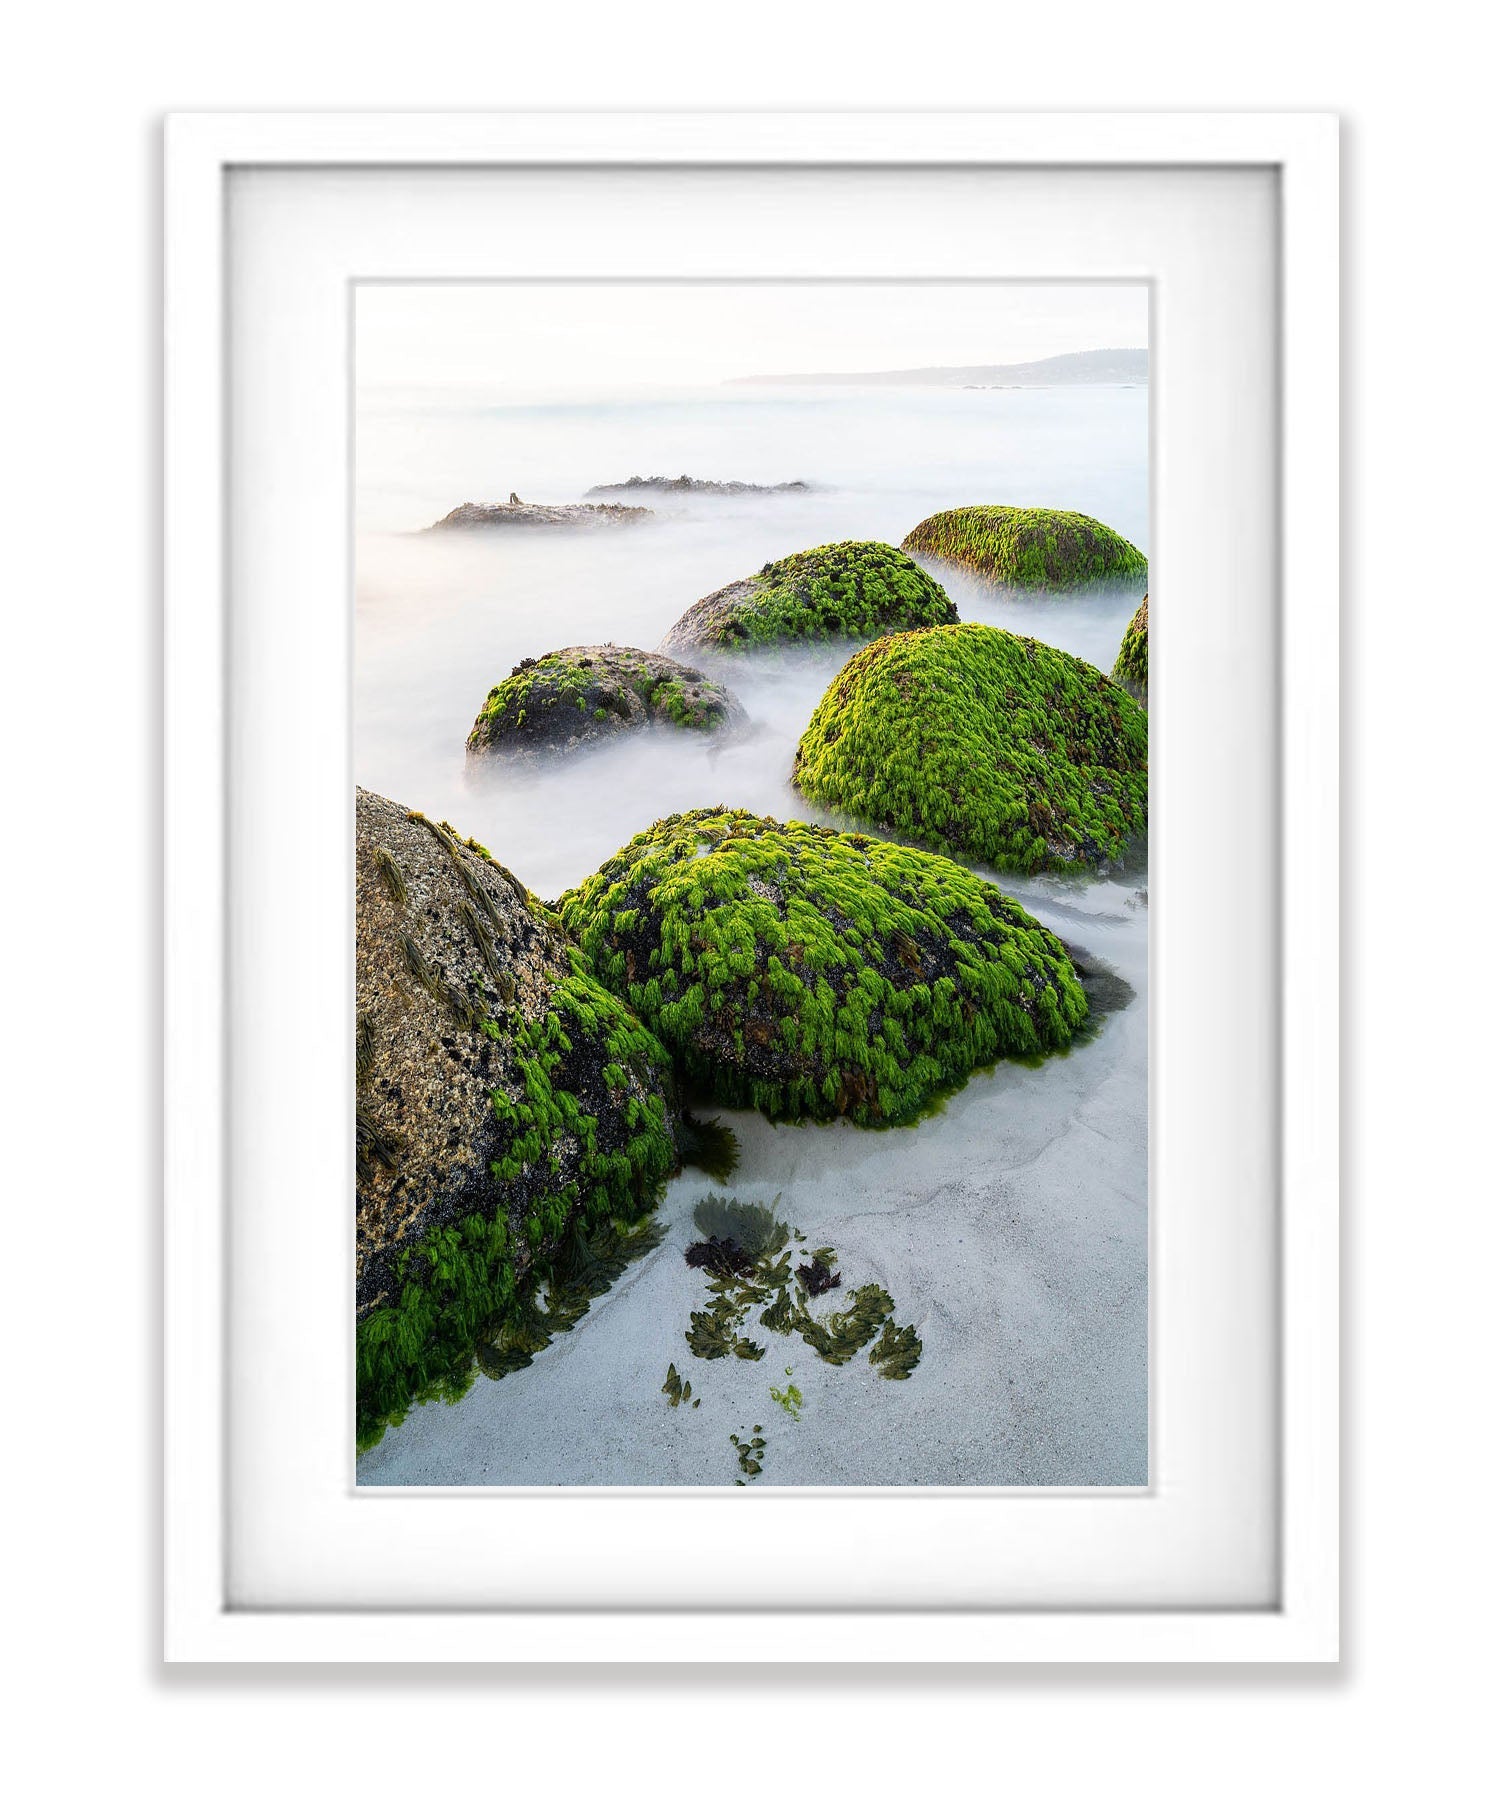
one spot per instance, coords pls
(1077, 368)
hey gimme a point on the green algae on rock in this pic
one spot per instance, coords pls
(984, 744)
(820, 974)
(592, 691)
(1027, 549)
(832, 593)
(505, 1102)
(1130, 664)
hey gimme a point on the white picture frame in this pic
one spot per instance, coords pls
(205, 1620)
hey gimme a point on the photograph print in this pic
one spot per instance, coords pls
(750, 884)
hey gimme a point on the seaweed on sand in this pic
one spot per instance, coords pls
(750, 1452)
(818, 1276)
(754, 1228)
(586, 1265)
(709, 1145)
(896, 1353)
(720, 1256)
(678, 1391)
(766, 1281)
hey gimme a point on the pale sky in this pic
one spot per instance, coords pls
(510, 338)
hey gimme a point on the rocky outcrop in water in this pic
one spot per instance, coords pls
(521, 515)
(502, 1097)
(831, 593)
(579, 696)
(688, 484)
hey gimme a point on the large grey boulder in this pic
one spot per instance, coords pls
(495, 1078)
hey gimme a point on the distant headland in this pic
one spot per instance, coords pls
(1076, 368)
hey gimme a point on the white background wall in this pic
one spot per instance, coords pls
(83, 92)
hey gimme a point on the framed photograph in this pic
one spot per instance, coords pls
(752, 1027)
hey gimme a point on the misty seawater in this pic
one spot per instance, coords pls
(1010, 1227)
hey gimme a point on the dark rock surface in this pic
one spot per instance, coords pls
(521, 515)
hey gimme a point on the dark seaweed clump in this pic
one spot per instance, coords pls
(817, 1278)
(720, 1256)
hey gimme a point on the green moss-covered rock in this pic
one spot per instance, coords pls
(1027, 549)
(1130, 664)
(504, 1100)
(820, 974)
(835, 592)
(593, 691)
(983, 743)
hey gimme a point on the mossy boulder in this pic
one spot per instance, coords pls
(981, 743)
(818, 974)
(1027, 549)
(503, 1099)
(1130, 664)
(830, 594)
(578, 696)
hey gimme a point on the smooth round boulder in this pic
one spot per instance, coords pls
(591, 692)
(501, 1094)
(818, 974)
(830, 594)
(982, 744)
(1026, 549)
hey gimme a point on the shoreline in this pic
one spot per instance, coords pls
(1010, 1229)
